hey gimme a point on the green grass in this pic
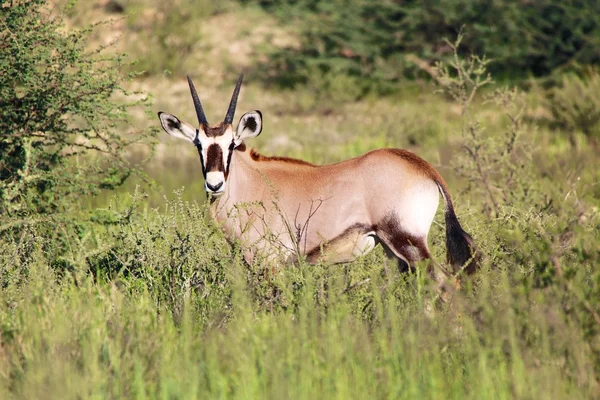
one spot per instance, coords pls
(79, 338)
(173, 312)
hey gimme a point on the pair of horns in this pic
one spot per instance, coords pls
(232, 104)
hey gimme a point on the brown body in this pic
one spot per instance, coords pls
(280, 206)
(281, 209)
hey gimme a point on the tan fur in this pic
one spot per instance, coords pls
(275, 204)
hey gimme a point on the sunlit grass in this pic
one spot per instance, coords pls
(84, 339)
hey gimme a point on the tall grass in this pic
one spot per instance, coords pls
(161, 328)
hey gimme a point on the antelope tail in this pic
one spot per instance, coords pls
(461, 251)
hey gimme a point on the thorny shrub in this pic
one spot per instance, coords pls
(539, 228)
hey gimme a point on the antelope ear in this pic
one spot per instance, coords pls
(174, 127)
(250, 126)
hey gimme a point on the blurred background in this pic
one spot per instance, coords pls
(337, 78)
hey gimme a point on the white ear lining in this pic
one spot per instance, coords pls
(250, 126)
(175, 127)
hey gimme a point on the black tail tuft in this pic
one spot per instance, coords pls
(462, 253)
(460, 247)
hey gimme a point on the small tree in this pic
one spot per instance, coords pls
(63, 133)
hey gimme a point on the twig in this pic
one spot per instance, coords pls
(349, 288)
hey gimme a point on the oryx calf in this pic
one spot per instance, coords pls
(289, 208)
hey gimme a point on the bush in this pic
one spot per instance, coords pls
(377, 42)
(175, 255)
(575, 103)
(534, 229)
(63, 133)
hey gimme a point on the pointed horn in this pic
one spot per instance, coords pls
(231, 111)
(199, 111)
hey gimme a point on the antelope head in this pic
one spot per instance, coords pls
(215, 143)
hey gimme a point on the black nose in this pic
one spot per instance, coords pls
(214, 188)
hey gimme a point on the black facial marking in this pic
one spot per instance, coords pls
(214, 158)
(229, 154)
(199, 148)
(251, 124)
